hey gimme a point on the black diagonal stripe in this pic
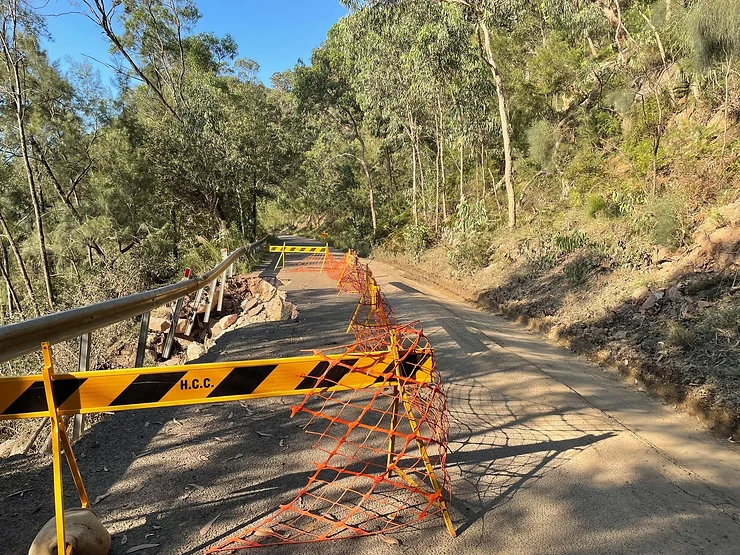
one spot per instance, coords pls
(242, 380)
(320, 377)
(310, 380)
(410, 363)
(148, 389)
(33, 399)
(383, 377)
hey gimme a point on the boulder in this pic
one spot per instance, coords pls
(674, 293)
(158, 324)
(249, 304)
(640, 294)
(223, 324)
(649, 303)
(195, 350)
(182, 325)
(261, 289)
(83, 531)
(255, 310)
(290, 311)
(274, 309)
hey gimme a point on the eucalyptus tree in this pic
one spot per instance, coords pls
(19, 34)
(486, 15)
(324, 87)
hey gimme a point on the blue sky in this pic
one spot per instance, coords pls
(273, 33)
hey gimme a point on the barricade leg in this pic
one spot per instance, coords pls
(55, 451)
(427, 462)
(326, 255)
(392, 435)
(59, 440)
(401, 392)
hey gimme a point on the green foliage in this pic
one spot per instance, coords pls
(595, 205)
(541, 141)
(671, 221)
(417, 239)
(578, 271)
(572, 242)
(714, 26)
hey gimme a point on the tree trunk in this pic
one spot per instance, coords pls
(21, 265)
(442, 160)
(370, 186)
(503, 115)
(462, 167)
(242, 228)
(414, 208)
(5, 268)
(389, 168)
(436, 175)
(254, 211)
(421, 179)
(23, 143)
(175, 234)
(483, 170)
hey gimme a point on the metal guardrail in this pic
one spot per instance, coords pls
(26, 337)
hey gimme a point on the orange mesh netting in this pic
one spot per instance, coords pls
(323, 261)
(381, 445)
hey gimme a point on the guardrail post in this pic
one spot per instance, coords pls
(194, 315)
(143, 332)
(224, 255)
(83, 365)
(209, 305)
(167, 349)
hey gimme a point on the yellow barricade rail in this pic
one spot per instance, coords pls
(144, 388)
(298, 249)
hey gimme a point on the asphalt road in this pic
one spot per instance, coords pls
(548, 454)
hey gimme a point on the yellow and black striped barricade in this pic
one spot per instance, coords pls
(298, 249)
(54, 395)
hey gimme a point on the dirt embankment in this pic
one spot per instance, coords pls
(672, 323)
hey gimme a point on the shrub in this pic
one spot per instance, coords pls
(416, 238)
(671, 224)
(578, 271)
(595, 205)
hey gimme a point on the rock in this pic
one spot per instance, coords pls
(674, 293)
(640, 294)
(161, 312)
(261, 289)
(223, 324)
(274, 309)
(649, 303)
(728, 237)
(703, 304)
(290, 311)
(182, 325)
(227, 321)
(195, 350)
(248, 304)
(255, 310)
(620, 335)
(158, 324)
(83, 531)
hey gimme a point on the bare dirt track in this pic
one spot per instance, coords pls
(548, 454)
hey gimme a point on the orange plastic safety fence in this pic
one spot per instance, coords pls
(324, 261)
(381, 447)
